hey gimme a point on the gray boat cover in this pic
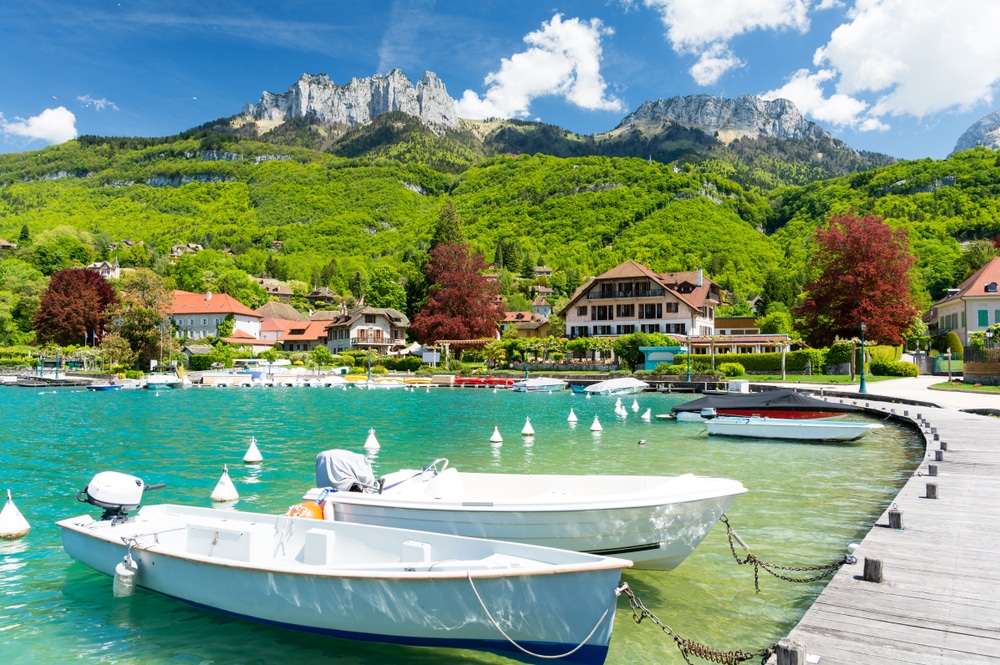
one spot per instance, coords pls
(783, 400)
(342, 470)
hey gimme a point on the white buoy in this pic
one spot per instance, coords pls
(618, 403)
(124, 584)
(225, 490)
(12, 522)
(635, 406)
(588, 395)
(253, 455)
(527, 430)
(596, 427)
(647, 415)
(371, 443)
(572, 417)
(496, 438)
(494, 391)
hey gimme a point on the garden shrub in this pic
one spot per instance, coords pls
(732, 370)
(201, 362)
(878, 367)
(667, 369)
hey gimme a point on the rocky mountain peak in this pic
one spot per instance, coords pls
(745, 116)
(359, 101)
(985, 132)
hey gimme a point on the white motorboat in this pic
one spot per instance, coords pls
(789, 428)
(354, 581)
(656, 521)
(165, 379)
(538, 384)
(623, 386)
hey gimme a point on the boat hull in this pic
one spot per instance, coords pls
(442, 603)
(656, 522)
(540, 385)
(623, 386)
(799, 430)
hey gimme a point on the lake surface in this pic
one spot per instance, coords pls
(805, 504)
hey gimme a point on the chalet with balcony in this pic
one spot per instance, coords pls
(632, 298)
(972, 307)
(381, 329)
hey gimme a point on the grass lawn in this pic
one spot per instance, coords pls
(815, 378)
(957, 386)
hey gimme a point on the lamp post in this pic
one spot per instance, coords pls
(989, 338)
(863, 388)
(689, 357)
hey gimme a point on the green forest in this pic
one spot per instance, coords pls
(316, 219)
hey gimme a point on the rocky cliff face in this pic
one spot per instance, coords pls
(745, 116)
(986, 133)
(359, 101)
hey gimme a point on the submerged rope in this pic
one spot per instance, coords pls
(531, 653)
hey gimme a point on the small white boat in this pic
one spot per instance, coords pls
(623, 386)
(656, 521)
(788, 428)
(357, 581)
(539, 384)
(165, 379)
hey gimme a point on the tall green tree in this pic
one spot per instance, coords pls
(385, 289)
(448, 228)
(863, 274)
(140, 316)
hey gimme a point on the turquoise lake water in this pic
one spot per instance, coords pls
(805, 504)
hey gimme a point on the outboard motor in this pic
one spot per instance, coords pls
(344, 471)
(117, 493)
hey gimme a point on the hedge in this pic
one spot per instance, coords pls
(892, 368)
(795, 361)
(200, 362)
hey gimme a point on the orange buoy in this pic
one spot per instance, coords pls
(307, 509)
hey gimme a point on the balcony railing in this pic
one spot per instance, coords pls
(598, 295)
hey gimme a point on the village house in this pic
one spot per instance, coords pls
(541, 308)
(105, 269)
(632, 298)
(381, 329)
(7, 245)
(322, 295)
(198, 315)
(972, 307)
(275, 289)
(178, 251)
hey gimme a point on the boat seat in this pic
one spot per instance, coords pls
(446, 486)
(415, 551)
(318, 548)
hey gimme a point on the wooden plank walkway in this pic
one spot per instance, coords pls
(939, 601)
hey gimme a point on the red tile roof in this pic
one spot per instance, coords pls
(186, 303)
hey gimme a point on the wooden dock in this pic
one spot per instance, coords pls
(939, 599)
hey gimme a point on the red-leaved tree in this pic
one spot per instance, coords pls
(862, 269)
(72, 310)
(461, 303)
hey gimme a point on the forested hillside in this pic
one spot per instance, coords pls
(319, 219)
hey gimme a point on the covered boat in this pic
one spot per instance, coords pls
(538, 384)
(656, 521)
(623, 386)
(358, 581)
(785, 428)
(782, 403)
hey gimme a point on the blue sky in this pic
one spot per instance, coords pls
(903, 77)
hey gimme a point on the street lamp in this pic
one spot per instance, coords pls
(863, 388)
(689, 357)
(989, 338)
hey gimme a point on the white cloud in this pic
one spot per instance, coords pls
(51, 125)
(919, 56)
(694, 24)
(98, 104)
(805, 89)
(562, 59)
(713, 63)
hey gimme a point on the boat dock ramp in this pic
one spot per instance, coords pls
(926, 588)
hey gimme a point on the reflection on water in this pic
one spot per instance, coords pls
(805, 503)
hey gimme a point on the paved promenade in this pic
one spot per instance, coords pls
(939, 599)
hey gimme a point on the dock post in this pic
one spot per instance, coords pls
(938, 455)
(895, 519)
(944, 445)
(790, 652)
(932, 469)
(931, 490)
(873, 570)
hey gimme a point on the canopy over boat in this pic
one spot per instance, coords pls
(782, 403)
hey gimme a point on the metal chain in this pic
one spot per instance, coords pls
(690, 648)
(824, 570)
